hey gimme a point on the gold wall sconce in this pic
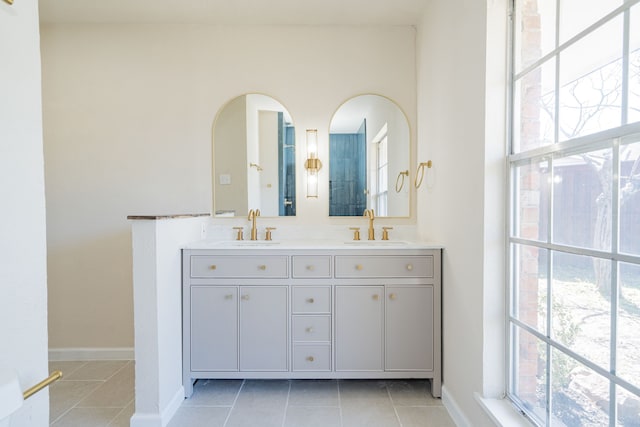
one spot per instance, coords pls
(400, 180)
(420, 172)
(312, 164)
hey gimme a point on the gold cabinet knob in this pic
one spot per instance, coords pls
(311, 267)
(228, 296)
(310, 300)
(309, 329)
(310, 359)
(409, 267)
(262, 267)
(359, 267)
(392, 296)
(212, 267)
(245, 297)
(375, 297)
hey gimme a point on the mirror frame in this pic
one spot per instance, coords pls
(213, 156)
(408, 181)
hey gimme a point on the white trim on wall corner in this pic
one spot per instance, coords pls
(454, 410)
(91, 353)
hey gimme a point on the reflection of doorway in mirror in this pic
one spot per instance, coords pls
(380, 180)
(348, 172)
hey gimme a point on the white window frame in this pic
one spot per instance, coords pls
(611, 138)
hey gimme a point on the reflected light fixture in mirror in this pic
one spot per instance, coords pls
(312, 164)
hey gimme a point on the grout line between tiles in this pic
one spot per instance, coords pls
(233, 405)
(286, 405)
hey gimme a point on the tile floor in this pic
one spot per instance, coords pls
(100, 393)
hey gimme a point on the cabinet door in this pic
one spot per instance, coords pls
(214, 328)
(263, 328)
(359, 328)
(409, 328)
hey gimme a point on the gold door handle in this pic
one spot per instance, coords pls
(376, 297)
(359, 267)
(309, 329)
(409, 267)
(262, 267)
(310, 359)
(212, 267)
(310, 300)
(245, 297)
(393, 296)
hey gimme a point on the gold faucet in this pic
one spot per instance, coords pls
(253, 214)
(369, 214)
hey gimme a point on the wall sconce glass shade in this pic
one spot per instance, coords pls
(312, 164)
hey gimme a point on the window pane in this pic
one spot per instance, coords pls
(582, 187)
(532, 188)
(628, 408)
(535, 22)
(530, 290)
(634, 67)
(577, 15)
(529, 372)
(591, 83)
(628, 356)
(580, 397)
(630, 198)
(534, 108)
(580, 305)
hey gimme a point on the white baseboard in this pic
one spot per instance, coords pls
(454, 410)
(91, 353)
(170, 410)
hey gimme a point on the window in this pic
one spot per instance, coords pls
(382, 176)
(574, 241)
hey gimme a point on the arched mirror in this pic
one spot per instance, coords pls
(254, 158)
(369, 158)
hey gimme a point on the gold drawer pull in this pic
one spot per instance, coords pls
(262, 267)
(310, 359)
(311, 267)
(409, 267)
(376, 297)
(359, 267)
(245, 297)
(212, 267)
(310, 300)
(309, 329)
(392, 296)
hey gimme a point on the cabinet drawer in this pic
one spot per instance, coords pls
(312, 266)
(311, 328)
(249, 266)
(374, 266)
(312, 357)
(311, 299)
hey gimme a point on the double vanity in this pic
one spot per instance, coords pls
(311, 309)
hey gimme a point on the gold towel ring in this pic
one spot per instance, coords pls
(401, 182)
(420, 172)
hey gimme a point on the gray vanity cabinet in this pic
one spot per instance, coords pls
(409, 336)
(214, 326)
(279, 311)
(263, 328)
(359, 328)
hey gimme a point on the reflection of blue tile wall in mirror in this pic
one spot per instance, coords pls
(254, 164)
(369, 146)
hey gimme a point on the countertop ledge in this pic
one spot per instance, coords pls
(154, 217)
(310, 244)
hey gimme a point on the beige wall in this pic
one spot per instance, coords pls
(128, 114)
(461, 98)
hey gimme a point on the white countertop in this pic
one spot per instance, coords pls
(310, 244)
